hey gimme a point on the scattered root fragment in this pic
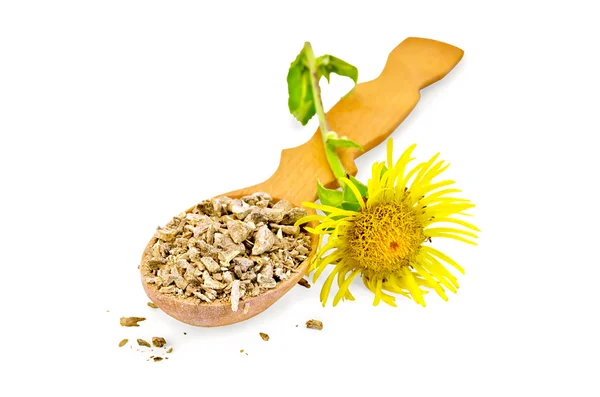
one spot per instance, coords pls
(156, 359)
(158, 341)
(152, 305)
(264, 336)
(241, 350)
(170, 350)
(131, 321)
(314, 324)
(304, 282)
(123, 342)
(142, 342)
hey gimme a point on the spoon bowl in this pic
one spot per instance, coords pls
(194, 312)
(367, 115)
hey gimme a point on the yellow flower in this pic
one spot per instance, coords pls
(382, 231)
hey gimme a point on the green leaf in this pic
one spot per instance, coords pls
(350, 201)
(362, 188)
(301, 100)
(349, 196)
(351, 206)
(328, 64)
(344, 143)
(383, 171)
(328, 196)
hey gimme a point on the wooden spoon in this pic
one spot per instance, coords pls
(369, 114)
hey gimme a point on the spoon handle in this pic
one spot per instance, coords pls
(367, 115)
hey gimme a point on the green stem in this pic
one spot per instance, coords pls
(332, 156)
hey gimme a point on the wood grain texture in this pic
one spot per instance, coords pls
(367, 115)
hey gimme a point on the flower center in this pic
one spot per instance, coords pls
(385, 237)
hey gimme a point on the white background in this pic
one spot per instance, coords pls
(116, 115)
